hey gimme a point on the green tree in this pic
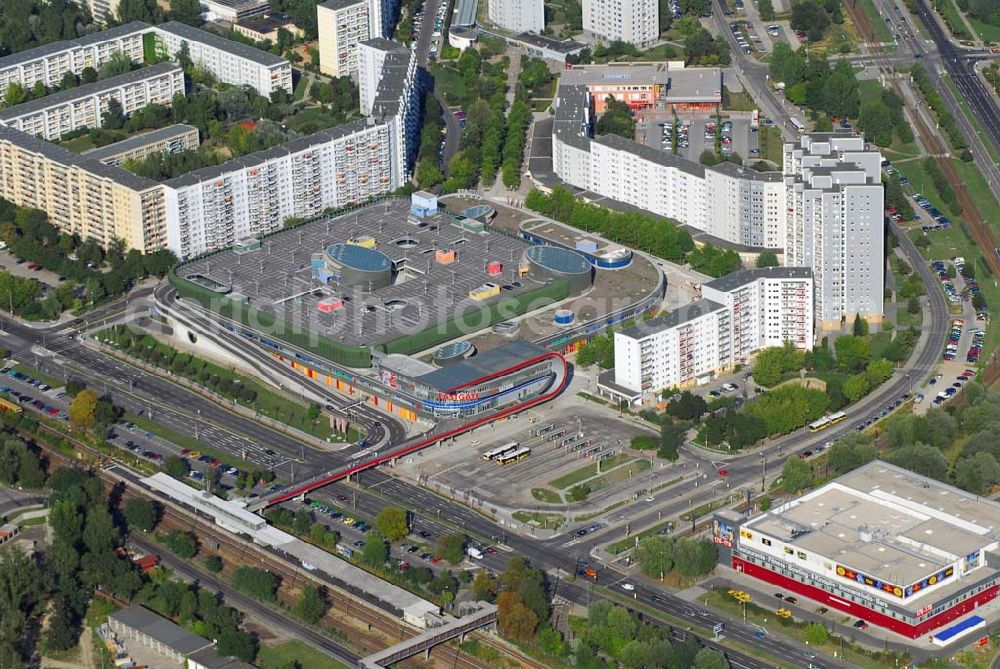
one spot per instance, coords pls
(176, 466)
(451, 547)
(616, 120)
(484, 586)
(184, 544)
(258, 583)
(852, 352)
(796, 474)
(655, 555)
(860, 326)
(579, 493)
(81, 409)
(213, 563)
(977, 473)
(312, 604)
(688, 406)
(671, 438)
(851, 452)
(922, 459)
(113, 117)
(708, 658)
(767, 259)
(375, 553)
(186, 11)
(856, 386)
(694, 557)
(392, 522)
(140, 514)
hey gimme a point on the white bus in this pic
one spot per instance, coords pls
(799, 125)
(514, 456)
(495, 453)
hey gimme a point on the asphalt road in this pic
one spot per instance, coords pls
(421, 51)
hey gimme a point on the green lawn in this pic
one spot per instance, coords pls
(738, 101)
(41, 376)
(300, 89)
(987, 31)
(771, 144)
(449, 83)
(313, 119)
(546, 495)
(882, 33)
(588, 471)
(953, 18)
(539, 519)
(898, 151)
(623, 473)
(285, 654)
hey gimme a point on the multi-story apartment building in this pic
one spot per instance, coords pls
(232, 11)
(642, 176)
(372, 55)
(50, 62)
(228, 61)
(81, 196)
(213, 207)
(172, 139)
(835, 223)
(382, 17)
(518, 16)
(395, 102)
(767, 307)
(631, 21)
(738, 315)
(684, 346)
(52, 116)
(744, 206)
(342, 25)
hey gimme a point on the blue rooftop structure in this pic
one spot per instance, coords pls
(959, 629)
(359, 257)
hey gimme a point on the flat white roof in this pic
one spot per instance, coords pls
(887, 522)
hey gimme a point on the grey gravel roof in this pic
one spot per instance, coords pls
(136, 141)
(80, 92)
(159, 628)
(489, 362)
(184, 31)
(289, 147)
(683, 314)
(571, 112)
(743, 277)
(340, 4)
(746, 173)
(559, 46)
(664, 158)
(395, 72)
(383, 44)
(65, 157)
(44, 50)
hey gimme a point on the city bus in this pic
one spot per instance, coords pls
(499, 451)
(7, 406)
(826, 421)
(514, 456)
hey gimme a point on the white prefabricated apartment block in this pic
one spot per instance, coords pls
(631, 21)
(52, 116)
(48, 63)
(228, 61)
(738, 315)
(519, 16)
(213, 207)
(835, 223)
(342, 25)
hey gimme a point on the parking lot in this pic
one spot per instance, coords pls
(554, 450)
(696, 131)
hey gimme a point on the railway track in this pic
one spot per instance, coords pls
(368, 628)
(938, 150)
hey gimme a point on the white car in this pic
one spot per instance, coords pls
(628, 586)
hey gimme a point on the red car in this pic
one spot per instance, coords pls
(216, 462)
(723, 472)
(435, 559)
(185, 451)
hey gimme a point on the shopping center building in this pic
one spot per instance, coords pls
(882, 544)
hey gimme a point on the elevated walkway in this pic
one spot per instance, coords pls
(482, 615)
